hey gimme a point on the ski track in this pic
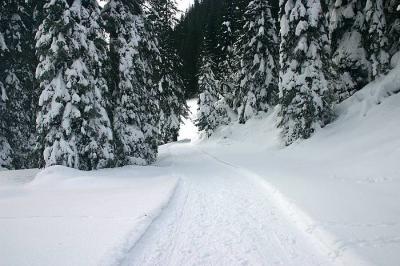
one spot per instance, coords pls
(218, 216)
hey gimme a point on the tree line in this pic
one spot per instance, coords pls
(87, 87)
(302, 56)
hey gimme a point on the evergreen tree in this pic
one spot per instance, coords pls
(5, 149)
(135, 106)
(167, 69)
(392, 11)
(86, 76)
(207, 15)
(228, 64)
(17, 81)
(213, 109)
(55, 138)
(258, 73)
(239, 10)
(304, 88)
(228, 59)
(375, 37)
(150, 95)
(73, 126)
(350, 62)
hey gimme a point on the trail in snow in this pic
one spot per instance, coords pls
(218, 216)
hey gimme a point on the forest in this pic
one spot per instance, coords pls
(236, 132)
(87, 87)
(246, 57)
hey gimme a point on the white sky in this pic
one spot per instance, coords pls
(101, 2)
(184, 4)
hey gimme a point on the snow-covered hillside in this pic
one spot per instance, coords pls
(238, 198)
(341, 186)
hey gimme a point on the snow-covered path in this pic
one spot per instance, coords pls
(219, 216)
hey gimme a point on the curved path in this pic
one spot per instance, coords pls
(219, 216)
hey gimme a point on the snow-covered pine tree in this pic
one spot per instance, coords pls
(135, 105)
(5, 153)
(238, 15)
(150, 95)
(304, 88)
(17, 80)
(56, 140)
(228, 60)
(350, 62)
(86, 79)
(258, 50)
(162, 14)
(376, 41)
(5, 149)
(392, 11)
(72, 124)
(213, 109)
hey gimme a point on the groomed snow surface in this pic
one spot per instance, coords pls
(239, 198)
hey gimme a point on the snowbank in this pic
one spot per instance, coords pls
(68, 217)
(17, 177)
(342, 185)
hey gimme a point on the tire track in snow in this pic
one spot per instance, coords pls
(323, 240)
(219, 216)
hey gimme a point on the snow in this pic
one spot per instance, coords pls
(67, 217)
(3, 45)
(220, 216)
(395, 61)
(237, 198)
(330, 200)
(188, 130)
(341, 186)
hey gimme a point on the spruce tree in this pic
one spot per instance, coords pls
(258, 50)
(304, 88)
(238, 15)
(350, 63)
(17, 80)
(375, 37)
(73, 127)
(56, 140)
(135, 106)
(213, 110)
(392, 11)
(150, 95)
(5, 149)
(86, 76)
(167, 70)
(228, 64)
(228, 59)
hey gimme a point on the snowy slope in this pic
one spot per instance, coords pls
(242, 198)
(342, 185)
(68, 217)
